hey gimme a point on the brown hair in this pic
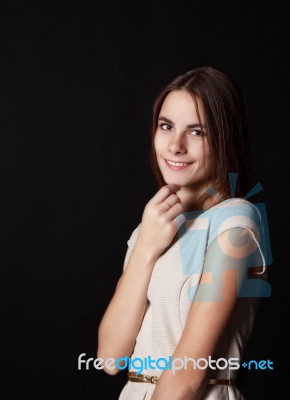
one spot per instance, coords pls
(226, 124)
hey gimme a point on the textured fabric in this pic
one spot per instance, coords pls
(172, 289)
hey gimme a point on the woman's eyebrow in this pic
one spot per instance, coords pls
(165, 120)
(161, 118)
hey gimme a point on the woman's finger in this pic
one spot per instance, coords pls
(169, 202)
(174, 212)
(163, 193)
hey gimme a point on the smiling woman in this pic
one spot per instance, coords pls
(185, 292)
(181, 144)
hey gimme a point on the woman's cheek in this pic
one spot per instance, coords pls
(158, 144)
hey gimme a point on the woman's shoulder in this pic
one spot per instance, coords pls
(232, 213)
(236, 205)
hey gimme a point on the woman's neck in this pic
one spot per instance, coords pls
(190, 198)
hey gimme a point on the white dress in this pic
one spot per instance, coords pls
(172, 289)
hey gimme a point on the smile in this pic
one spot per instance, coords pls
(176, 165)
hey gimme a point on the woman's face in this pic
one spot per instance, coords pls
(182, 152)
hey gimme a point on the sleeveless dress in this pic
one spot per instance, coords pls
(172, 288)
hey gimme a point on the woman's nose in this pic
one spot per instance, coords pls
(176, 145)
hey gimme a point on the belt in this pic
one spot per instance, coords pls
(133, 377)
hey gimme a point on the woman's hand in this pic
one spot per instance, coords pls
(160, 221)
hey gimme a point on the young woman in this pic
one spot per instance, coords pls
(184, 306)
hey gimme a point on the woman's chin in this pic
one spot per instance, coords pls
(173, 182)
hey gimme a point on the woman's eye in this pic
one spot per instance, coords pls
(196, 132)
(165, 127)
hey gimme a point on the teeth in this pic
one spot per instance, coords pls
(177, 164)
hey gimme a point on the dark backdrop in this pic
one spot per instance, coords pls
(78, 80)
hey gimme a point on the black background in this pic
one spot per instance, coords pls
(78, 80)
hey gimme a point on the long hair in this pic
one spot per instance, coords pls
(226, 122)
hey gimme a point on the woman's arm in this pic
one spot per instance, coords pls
(210, 312)
(122, 320)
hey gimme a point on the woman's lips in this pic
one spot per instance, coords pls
(176, 165)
